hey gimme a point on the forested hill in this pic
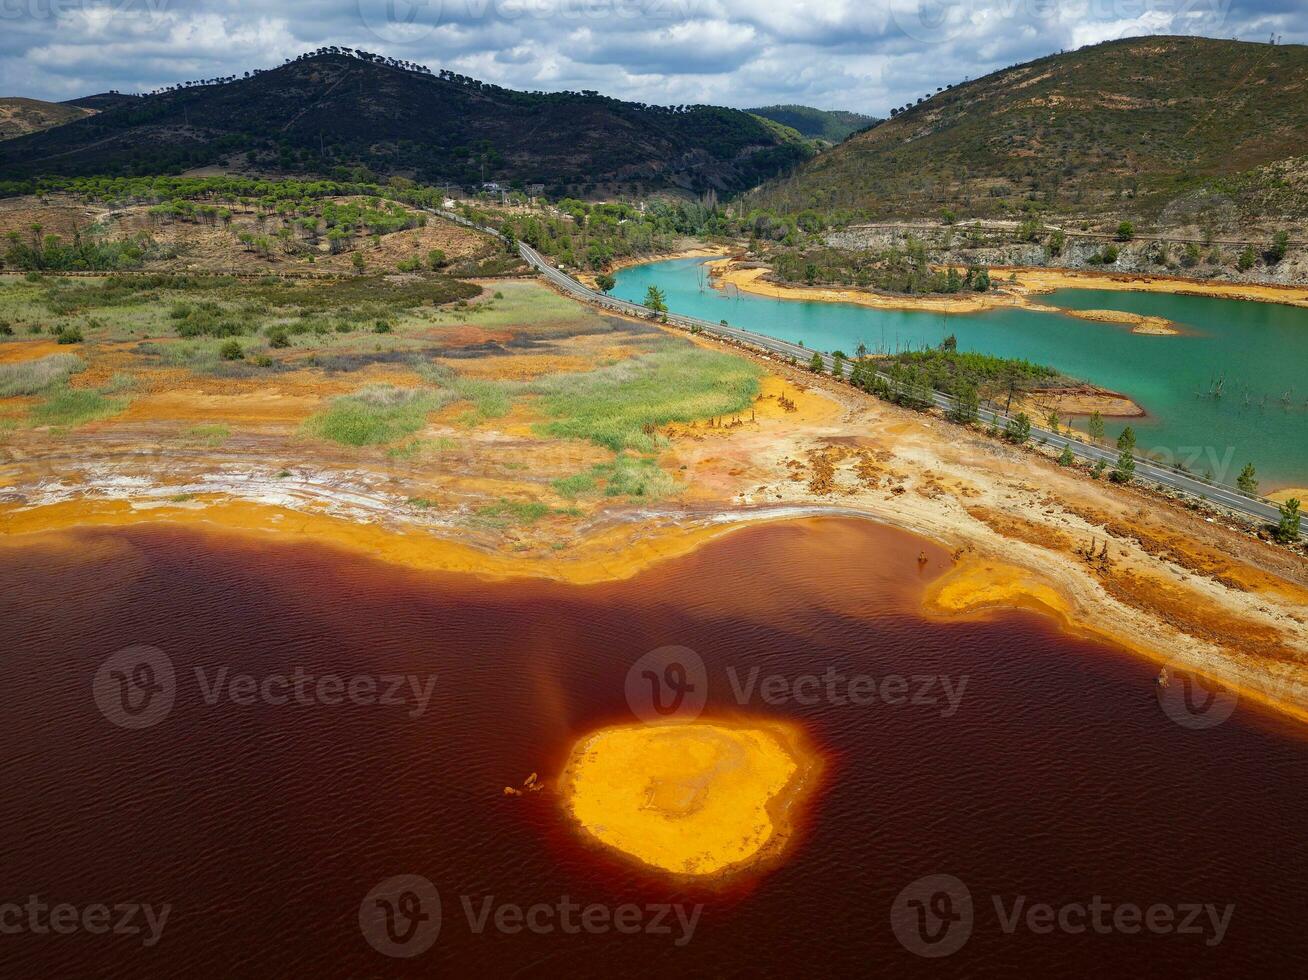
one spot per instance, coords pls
(1132, 126)
(831, 125)
(336, 109)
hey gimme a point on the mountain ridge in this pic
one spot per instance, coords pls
(1143, 126)
(335, 109)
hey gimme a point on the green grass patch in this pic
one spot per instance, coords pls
(490, 399)
(376, 415)
(572, 487)
(36, 376)
(420, 447)
(625, 476)
(621, 405)
(520, 513)
(210, 435)
(65, 407)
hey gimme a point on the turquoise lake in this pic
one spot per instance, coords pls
(1260, 350)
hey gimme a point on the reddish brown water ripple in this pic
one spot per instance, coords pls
(264, 826)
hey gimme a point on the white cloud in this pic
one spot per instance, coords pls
(830, 53)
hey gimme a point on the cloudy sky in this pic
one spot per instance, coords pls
(865, 55)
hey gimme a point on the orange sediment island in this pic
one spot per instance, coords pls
(702, 799)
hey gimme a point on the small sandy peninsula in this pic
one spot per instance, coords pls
(729, 273)
(701, 799)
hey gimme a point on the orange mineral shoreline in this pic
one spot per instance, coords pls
(975, 586)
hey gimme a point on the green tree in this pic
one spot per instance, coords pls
(1096, 427)
(357, 261)
(656, 300)
(1066, 458)
(1125, 231)
(1248, 479)
(605, 281)
(1280, 243)
(1124, 470)
(1247, 259)
(231, 351)
(1055, 423)
(837, 365)
(1287, 530)
(950, 343)
(1056, 243)
(815, 365)
(966, 404)
(1019, 429)
(436, 259)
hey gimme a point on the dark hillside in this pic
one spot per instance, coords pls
(333, 110)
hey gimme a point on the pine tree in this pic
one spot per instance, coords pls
(1248, 479)
(1019, 429)
(966, 404)
(1287, 531)
(1124, 471)
(1096, 427)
